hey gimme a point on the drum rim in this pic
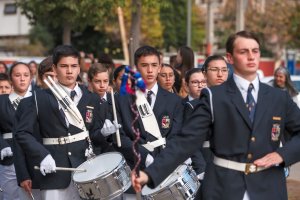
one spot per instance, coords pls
(104, 176)
(172, 183)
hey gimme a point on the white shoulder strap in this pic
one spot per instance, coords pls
(147, 115)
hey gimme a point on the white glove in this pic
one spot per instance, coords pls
(149, 160)
(6, 152)
(47, 165)
(109, 128)
(201, 176)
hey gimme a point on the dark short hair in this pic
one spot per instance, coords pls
(5, 66)
(211, 58)
(4, 77)
(190, 72)
(244, 34)
(145, 51)
(117, 71)
(64, 51)
(45, 66)
(95, 69)
(16, 64)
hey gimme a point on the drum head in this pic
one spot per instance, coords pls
(172, 178)
(97, 167)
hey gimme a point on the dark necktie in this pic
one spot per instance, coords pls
(149, 98)
(250, 103)
(16, 102)
(72, 95)
(102, 100)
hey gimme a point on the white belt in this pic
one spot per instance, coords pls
(65, 140)
(243, 167)
(150, 146)
(7, 136)
(206, 144)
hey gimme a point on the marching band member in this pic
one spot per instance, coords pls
(5, 84)
(161, 117)
(20, 77)
(68, 116)
(247, 119)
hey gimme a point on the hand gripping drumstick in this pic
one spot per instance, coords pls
(115, 117)
(64, 169)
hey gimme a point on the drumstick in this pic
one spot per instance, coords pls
(1, 189)
(65, 169)
(32, 196)
(115, 117)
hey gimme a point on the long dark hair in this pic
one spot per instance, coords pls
(289, 86)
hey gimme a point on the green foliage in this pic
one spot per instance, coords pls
(40, 34)
(78, 13)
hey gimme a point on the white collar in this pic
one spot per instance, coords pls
(154, 89)
(243, 84)
(68, 90)
(13, 96)
(105, 96)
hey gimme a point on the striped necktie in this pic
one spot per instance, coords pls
(250, 102)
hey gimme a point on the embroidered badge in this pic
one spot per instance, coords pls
(276, 118)
(165, 122)
(275, 132)
(89, 116)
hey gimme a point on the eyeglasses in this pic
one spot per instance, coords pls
(217, 70)
(197, 83)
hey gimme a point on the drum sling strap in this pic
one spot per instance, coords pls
(149, 122)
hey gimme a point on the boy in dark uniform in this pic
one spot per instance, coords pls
(246, 119)
(63, 144)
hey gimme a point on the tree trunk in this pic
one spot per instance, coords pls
(67, 33)
(136, 15)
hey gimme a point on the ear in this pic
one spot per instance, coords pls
(229, 58)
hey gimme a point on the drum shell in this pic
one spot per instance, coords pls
(183, 188)
(107, 186)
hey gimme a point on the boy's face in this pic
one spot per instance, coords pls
(5, 87)
(149, 67)
(100, 83)
(245, 57)
(67, 71)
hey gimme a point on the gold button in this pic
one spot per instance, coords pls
(69, 153)
(253, 139)
(249, 156)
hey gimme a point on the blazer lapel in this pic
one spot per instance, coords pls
(83, 100)
(262, 103)
(159, 101)
(238, 101)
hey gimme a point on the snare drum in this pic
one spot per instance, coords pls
(181, 184)
(107, 176)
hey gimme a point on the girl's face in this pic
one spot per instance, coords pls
(280, 79)
(166, 78)
(20, 79)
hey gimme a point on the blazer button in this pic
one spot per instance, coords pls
(253, 139)
(69, 134)
(249, 156)
(69, 153)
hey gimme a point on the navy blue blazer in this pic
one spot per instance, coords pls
(52, 125)
(167, 106)
(234, 137)
(7, 113)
